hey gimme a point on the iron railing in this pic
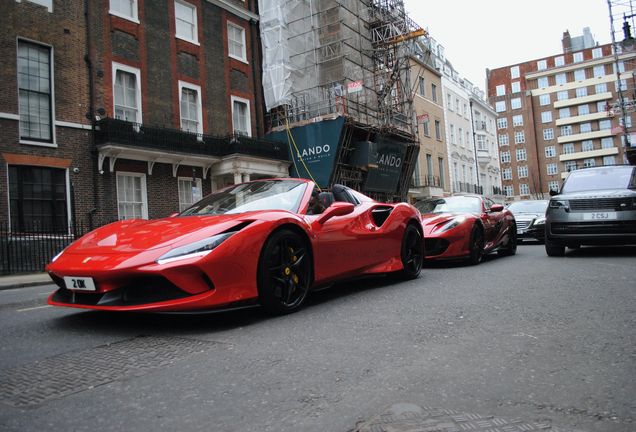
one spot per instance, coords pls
(115, 131)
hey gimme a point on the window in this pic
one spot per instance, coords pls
(427, 130)
(578, 57)
(461, 137)
(542, 64)
(506, 173)
(37, 198)
(236, 42)
(517, 120)
(35, 92)
(514, 72)
(468, 141)
(502, 123)
(607, 143)
(601, 106)
(604, 125)
(566, 130)
(505, 157)
(520, 137)
(587, 146)
(568, 148)
(509, 191)
(131, 196)
(522, 171)
(559, 61)
(597, 53)
(542, 82)
(441, 171)
(190, 108)
(553, 185)
(560, 79)
(124, 8)
(581, 92)
(588, 162)
(583, 109)
(524, 189)
(188, 193)
(127, 93)
(550, 151)
(516, 87)
(544, 99)
(515, 103)
(628, 120)
(449, 101)
(548, 134)
(521, 154)
(423, 86)
(241, 116)
(503, 140)
(546, 117)
(564, 113)
(501, 90)
(434, 93)
(586, 127)
(609, 160)
(500, 106)
(482, 144)
(621, 67)
(600, 88)
(438, 130)
(599, 71)
(562, 95)
(570, 166)
(457, 107)
(452, 134)
(623, 85)
(579, 75)
(466, 110)
(186, 21)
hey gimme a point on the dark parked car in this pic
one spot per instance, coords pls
(530, 217)
(596, 206)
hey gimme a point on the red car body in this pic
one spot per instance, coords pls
(267, 251)
(466, 227)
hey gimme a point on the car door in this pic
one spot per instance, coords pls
(493, 224)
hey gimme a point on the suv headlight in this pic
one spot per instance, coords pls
(197, 249)
(560, 204)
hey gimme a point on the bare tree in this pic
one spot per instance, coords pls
(536, 188)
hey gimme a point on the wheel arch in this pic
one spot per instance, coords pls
(305, 238)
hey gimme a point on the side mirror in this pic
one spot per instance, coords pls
(553, 192)
(335, 209)
(496, 208)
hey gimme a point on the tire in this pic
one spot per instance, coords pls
(476, 245)
(511, 247)
(554, 250)
(411, 254)
(284, 273)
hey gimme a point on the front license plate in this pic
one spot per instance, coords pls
(79, 283)
(599, 216)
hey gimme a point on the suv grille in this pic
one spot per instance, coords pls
(617, 204)
(616, 227)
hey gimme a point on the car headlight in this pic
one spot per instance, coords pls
(559, 203)
(539, 221)
(453, 223)
(197, 249)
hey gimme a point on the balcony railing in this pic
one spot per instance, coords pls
(114, 131)
(468, 188)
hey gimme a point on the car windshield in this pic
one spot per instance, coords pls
(598, 179)
(528, 207)
(450, 205)
(251, 196)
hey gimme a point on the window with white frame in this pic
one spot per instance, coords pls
(524, 189)
(236, 42)
(570, 166)
(587, 145)
(583, 109)
(426, 129)
(600, 88)
(609, 160)
(466, 110)
(579, 75)
(599, 71)
(505, 156)
(627, 120)
(189, 193)
(500, 106)
(553, 185)
(581, 92)
(514, 72)
(241, 118)
(422, 86)
(460, 133)
(506, 174)
(521, 154)
(127, 93)
(560, 79)
(564, 113)
(522, 171)
(562, 95)
(546, 117)
(578, 57)
(589, 162)
(542, 82)
(550, 151)
(604, 125)
(509, 191)
(468, 141)
(434, 92)
(35, 91)
(515, 87)
(607, 143)
(449, 101)
(457, 107)
(501, 90)
(552, 169)
(124, 8)
(586, 128)
(517, 120)
(548, 134)
(601, 106)
(520, 137)
(597, 53)
(438, 130)
(568, 148)
(559, 61)
(190, 107)
(502, 123)
(542, 64)
(503, 140)
(452, 134)
(544, 99)
(621, 67)
(566, 130)
(132, 202)
(186, 21)
(482, 144)
(515, 103)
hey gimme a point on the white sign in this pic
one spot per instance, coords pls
(354, 87)
(422, 119)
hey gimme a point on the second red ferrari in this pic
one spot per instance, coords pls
(466, 227)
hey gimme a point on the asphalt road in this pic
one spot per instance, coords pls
(549, 340)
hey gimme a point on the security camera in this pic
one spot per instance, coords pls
(75, 170)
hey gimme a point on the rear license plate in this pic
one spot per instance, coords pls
(79, 283)
(599, 216)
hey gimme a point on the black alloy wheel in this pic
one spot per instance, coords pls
(511, 247)
(476, 245)
(284, 273)
(412, 253)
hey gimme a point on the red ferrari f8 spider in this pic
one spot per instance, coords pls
(255, 242)
(466, 227)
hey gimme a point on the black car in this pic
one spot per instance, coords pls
(530, 217)
(596, 206)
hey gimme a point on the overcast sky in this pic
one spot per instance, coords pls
(480, 34)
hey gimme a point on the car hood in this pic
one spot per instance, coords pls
(136, 235)
(431, 220)
(609, 193)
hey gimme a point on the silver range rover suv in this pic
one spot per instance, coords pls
(596, 206)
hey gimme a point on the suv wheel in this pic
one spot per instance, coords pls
(554, 250)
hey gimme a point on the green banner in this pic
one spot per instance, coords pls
(385, 177)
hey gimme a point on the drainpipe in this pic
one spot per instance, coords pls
(91, 84)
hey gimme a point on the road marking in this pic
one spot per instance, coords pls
(39, 307)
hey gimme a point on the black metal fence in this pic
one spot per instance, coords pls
(30, 249)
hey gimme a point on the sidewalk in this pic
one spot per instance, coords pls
(24, 280)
